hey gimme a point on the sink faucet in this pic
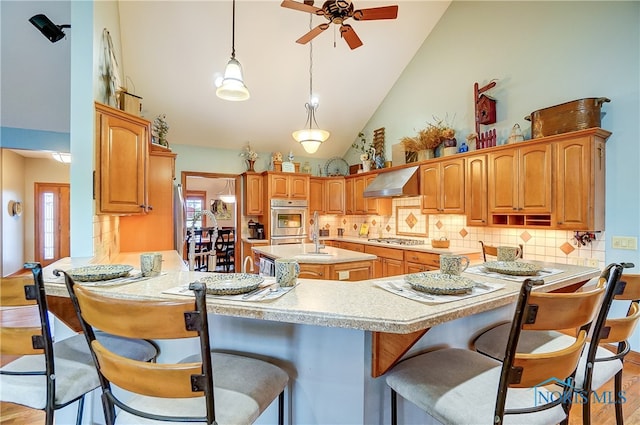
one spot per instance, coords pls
(316, 233)
(192, 241)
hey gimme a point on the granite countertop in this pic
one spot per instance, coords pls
(426, 247)
(305, 253)
(354, 305)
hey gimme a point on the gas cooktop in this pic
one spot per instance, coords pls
(397, 241)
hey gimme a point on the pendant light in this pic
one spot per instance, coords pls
(311, 137)
(228, 195)
(232, 86)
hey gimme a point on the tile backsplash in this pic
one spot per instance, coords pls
(407, 221)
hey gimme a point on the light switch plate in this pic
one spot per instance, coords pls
(624, 242)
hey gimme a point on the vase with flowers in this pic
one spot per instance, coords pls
(423, 144)
(250, 156)
(160, 130)
(367, 152)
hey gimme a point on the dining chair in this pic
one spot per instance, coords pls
(493, 250)
(50, 375)
(225, 251)
(461, 386)
(209, 387)
(599, 362)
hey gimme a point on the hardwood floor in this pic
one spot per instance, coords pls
(601, 414)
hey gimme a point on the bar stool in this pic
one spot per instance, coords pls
(598, 364)
(209, 387)
(493, 250)
(459, 386)
(49, 376)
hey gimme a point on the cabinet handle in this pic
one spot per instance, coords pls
(414, 258)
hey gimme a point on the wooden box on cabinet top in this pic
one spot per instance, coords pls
(122, 143)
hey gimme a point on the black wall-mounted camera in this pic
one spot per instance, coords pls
(50, 30)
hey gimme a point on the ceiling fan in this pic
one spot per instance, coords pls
(337, 11)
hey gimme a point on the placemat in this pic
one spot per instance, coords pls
(481, 271)
(265, 292)
(402, 288)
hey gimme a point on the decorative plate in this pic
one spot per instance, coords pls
(336, 167)
(231, 283)
(99, 272)
(440, 284)
(514, 268)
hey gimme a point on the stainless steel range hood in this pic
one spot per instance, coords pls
(397, 183)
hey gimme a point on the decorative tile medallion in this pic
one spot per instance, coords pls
(355, 227)
(525, 236)
(439, 224)
(411, 220)
(463, 232)
(388, 228)
(567, 248)
(373, 222)
(344, 221)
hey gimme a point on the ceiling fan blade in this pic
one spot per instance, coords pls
(290, 4)
(312, 34)
(373, 13)
(350, 36)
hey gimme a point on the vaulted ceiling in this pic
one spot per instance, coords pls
(173, 50)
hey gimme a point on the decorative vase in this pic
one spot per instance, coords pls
(250, 164)
(366, 166)
(425, 154)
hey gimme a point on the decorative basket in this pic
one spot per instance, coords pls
(442, 243)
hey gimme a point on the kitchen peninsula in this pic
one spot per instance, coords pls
(332, 336)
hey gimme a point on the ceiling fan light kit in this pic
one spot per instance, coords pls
(338, 11)
(232, 86)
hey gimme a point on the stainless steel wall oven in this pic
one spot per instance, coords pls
(288, 221)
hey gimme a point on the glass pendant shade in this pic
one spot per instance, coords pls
(232, 87)
(310, 138)
(62, 157)
(228, 195)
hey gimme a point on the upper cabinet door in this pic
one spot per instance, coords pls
(298, 187)
(253, 194)
(122, 142)
(535, 178)
(334, 195)
(316, 195)
(503, 181)
(476, 191)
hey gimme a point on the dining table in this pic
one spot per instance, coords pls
(335, 338)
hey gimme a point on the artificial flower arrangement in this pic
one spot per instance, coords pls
(362, 146)
(161, 129)
(249, 153)
(430, 137)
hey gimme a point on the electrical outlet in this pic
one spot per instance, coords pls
(624, 242)
(593, 262)
(343, 275)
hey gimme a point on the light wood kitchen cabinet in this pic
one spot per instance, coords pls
(520, 185)
(476, 190)
(418, 261)
(580, 182)
(253, 194)
(153, 231)
(334, 195)
(351, 246)
(349, 198)
(354, 189)
(376, 206)
(288, 185)
(247, 252)
(327, 195)
(353, 271)
(442, 187)
(314, 271)
(390, 261)
(316, 195)
(122, 142)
